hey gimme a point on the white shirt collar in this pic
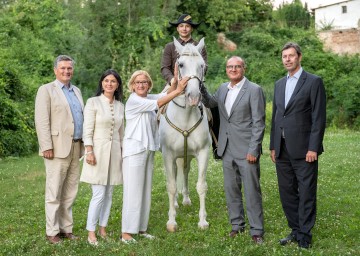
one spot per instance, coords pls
(238, 85)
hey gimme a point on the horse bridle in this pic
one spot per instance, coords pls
(186, 133)
(201, 81)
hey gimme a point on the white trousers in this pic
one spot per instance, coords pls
(137, 174)
(100, 205)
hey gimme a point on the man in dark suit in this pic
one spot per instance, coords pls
(297, 132)
(241, 106)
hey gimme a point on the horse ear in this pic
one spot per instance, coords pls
(178, 46)
(201, 44)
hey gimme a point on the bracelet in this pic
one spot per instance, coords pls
(87, 153)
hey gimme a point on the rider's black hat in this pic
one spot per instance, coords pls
(185, 18)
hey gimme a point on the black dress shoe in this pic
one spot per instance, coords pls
(290, 238)
(304, 244)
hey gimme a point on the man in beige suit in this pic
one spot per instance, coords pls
(59, 121)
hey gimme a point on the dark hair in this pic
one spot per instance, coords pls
(292, 45)
(119, 91)
(63, 58)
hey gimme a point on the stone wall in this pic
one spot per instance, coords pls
(345, 41)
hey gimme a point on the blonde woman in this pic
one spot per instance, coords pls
(141, 140)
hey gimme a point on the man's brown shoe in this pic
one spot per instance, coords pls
(258, 239)
(53, 239)
(70, 236)
(234, 233)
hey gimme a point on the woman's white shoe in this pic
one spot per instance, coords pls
(148, 236)
(130, 241)
(95, 242)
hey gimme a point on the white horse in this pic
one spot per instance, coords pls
(184, 134)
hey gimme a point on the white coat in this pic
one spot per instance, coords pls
(104, 130)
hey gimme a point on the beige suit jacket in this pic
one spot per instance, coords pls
(104, 130)
(53, 119)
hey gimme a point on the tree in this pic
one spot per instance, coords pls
(294, 14)
(261, 10)
(28, 43)
(216, 14)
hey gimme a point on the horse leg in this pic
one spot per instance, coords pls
(182, 180)
(170, 168)
(201, 187)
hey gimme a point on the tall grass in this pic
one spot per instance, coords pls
(337, 230)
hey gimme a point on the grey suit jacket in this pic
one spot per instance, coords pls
(244, 128)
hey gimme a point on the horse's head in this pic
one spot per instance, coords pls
(191, 64)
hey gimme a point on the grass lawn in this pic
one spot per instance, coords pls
(337, 230)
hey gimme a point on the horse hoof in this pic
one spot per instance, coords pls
(203, 225)
(186, 202)
(171, 228)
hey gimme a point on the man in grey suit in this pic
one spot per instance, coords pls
(241, 106)
(297, 132)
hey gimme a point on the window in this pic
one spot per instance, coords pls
(344, 9)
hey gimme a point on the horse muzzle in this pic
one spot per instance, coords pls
(193, 100)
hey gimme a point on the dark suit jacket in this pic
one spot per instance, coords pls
(304, 118)
(244, 127)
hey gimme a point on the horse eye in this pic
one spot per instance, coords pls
(181, 65)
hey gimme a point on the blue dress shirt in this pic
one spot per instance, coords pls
(290, 85)
(76, 110)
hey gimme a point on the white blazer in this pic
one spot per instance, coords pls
(104, 130)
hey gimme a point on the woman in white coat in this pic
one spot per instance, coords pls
(102, 135)
(141, 140)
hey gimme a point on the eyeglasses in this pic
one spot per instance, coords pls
(141, 82)
(234, 66)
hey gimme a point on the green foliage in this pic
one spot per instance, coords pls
(130, 35)
(294, 14)
(261, 10)
(17, 136)
(217, 14)
(326, 25)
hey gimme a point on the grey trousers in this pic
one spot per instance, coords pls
(240, 173)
